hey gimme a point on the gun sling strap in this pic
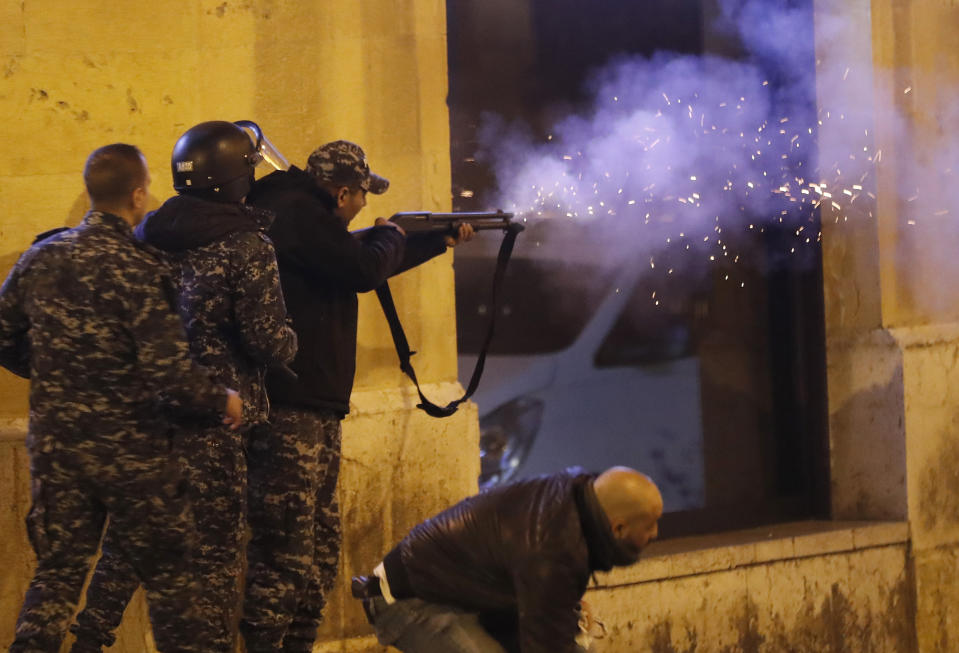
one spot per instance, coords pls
(403, 347)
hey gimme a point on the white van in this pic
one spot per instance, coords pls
(584, 369)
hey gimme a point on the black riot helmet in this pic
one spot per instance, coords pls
(214, 160)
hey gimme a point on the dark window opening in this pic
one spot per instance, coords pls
(712, 382)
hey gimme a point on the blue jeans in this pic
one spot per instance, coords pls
(415, 626)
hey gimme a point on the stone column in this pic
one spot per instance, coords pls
(887, 67)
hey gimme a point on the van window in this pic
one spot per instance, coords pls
(544, 307)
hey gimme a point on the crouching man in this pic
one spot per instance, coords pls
(505, 570)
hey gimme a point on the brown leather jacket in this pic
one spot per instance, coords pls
(521, 555)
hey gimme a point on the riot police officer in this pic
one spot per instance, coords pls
(85, 316)
(230, 301)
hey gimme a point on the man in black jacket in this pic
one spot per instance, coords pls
(293, 460)
(506, 569)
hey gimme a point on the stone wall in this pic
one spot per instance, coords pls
(832, 587)
(891, 307)
(77, 75)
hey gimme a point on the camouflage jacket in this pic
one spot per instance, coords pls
(229, 294)
(86, 314)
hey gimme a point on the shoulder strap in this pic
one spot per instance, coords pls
(403, 347)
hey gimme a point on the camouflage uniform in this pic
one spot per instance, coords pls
(232, 305)
(85, 316)
(294, 550)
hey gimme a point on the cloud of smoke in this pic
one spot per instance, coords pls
(670, 145)
(697, 152)
(690, 149)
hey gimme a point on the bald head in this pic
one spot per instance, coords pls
(624, 493)
(633, 506)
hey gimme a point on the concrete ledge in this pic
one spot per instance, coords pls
(693, 556)
(905, 337)
(927, 335)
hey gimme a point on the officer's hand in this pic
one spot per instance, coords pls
(383, 222)
(233, 413)
(464, 234)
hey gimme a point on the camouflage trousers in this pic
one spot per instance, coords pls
(135, 481)
(292, 558)
(215, 467)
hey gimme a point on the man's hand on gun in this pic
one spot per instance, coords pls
(383, 222)
(464, 231)
(458, 226)
(464, 234)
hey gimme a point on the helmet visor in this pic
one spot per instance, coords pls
(264, 149)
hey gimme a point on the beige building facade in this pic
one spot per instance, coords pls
(881, 577)
(77, 75)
